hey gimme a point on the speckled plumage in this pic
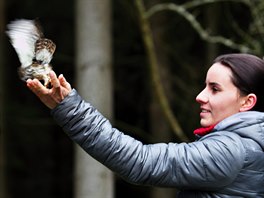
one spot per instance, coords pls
(34, 51)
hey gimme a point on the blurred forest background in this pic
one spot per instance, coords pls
(155, 54)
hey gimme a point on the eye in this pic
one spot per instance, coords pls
(215, 89)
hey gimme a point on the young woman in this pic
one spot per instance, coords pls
(226, 160)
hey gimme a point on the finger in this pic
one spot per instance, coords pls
(64, 82)
(36, 87)
(41, 92)
(34, 84)
(54, 80)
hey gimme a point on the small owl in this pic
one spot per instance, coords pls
(33, 49)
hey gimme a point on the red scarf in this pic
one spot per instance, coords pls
(203, 130)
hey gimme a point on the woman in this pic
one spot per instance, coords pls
(227, 160)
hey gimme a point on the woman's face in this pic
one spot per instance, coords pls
(220, 98)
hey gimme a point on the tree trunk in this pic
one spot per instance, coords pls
(2, 159)
(93, 81)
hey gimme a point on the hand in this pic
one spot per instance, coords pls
(53, 96)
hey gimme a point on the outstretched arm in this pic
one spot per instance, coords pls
(53, 96)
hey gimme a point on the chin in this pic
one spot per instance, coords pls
(205, 124)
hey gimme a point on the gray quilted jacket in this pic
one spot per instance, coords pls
(228, 162)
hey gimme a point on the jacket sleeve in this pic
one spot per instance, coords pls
(211, 163)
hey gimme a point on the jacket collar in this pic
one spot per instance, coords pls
(249, 124)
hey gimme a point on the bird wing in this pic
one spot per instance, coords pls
(23, 35)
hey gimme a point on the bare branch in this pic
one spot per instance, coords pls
(257, 9)
(196, 3)
(149, 45)
(196, 25)
(246, 36)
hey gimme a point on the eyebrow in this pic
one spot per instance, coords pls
(214, 84)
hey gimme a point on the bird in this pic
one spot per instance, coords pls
(34, 51)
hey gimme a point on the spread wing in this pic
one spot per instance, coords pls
(23, 35)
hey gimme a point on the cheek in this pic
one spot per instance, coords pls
(225, 106)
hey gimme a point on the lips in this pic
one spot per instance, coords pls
(204, 112)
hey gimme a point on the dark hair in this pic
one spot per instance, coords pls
(248, 75)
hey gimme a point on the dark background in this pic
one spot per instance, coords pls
(38, 155)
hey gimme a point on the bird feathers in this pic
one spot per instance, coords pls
(33, 49)
(23, 35)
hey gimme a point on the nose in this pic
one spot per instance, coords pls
(201, 97)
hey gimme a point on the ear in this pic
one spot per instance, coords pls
(248, 102)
